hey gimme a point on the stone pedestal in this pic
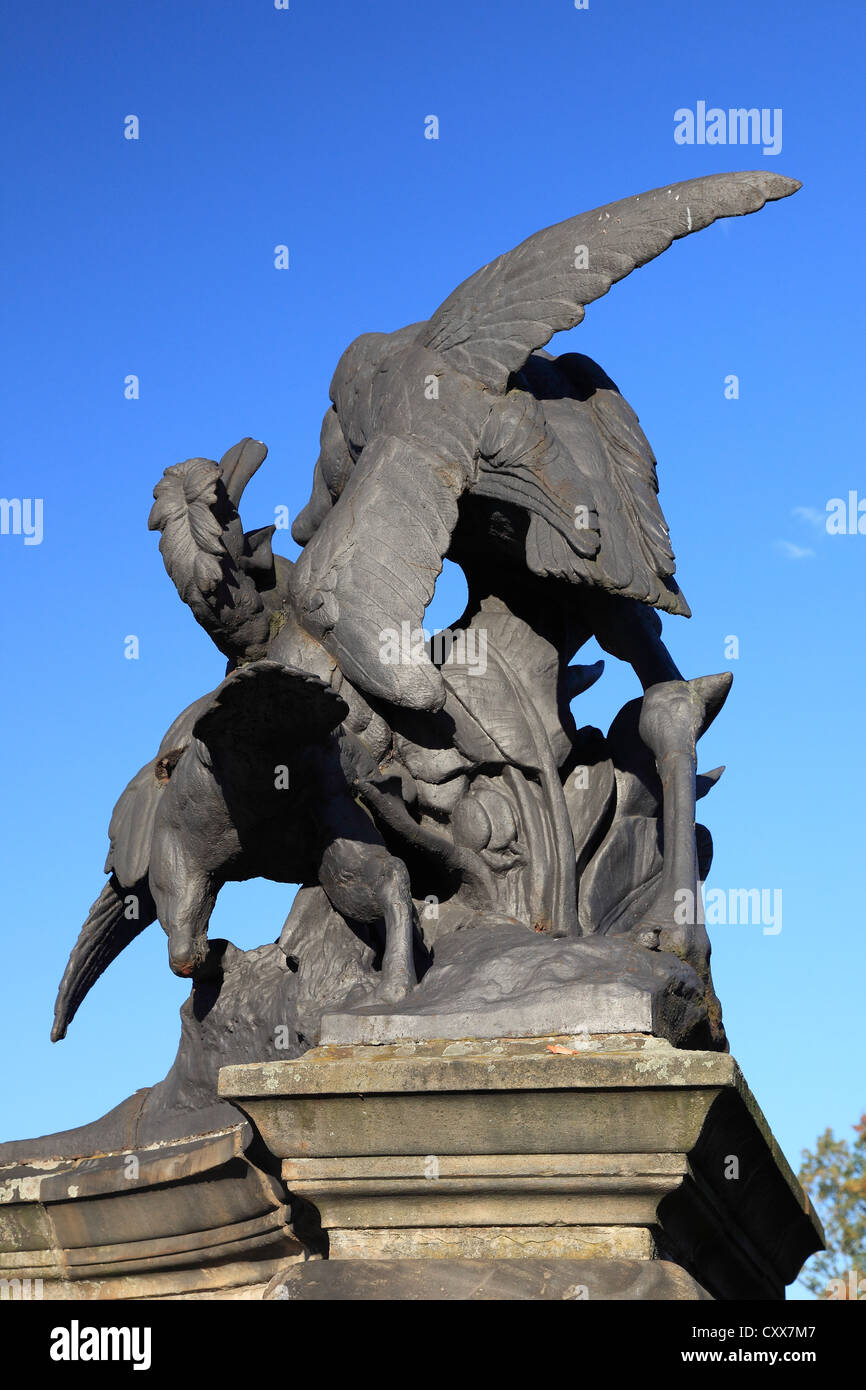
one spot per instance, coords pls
(617, 1166)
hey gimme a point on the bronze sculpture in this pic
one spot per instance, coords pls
(451, 797)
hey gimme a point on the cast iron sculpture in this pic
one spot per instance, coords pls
(446, 818)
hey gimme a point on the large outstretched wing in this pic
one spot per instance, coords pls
(489, 325)
(365, 578)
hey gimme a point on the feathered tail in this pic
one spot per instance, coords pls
(107, 931)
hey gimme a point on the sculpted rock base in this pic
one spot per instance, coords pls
(506, 981)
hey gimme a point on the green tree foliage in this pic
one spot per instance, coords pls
(834, 1175)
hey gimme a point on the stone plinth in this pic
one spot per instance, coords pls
(608, 1154)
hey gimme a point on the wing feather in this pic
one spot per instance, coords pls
(373, 564)
(600, 434)
(489, 325)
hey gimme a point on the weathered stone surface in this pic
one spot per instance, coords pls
(431, 1150)
(557, 1062)
(490, 1242)
(549, 1191)
(164, 1220)
(411, 1280)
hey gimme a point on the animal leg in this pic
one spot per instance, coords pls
(367, 884)
(673, 716)
(631, 631)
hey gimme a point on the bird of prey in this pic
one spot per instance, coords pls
(466, 405)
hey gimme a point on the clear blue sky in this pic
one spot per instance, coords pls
(155, 257)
